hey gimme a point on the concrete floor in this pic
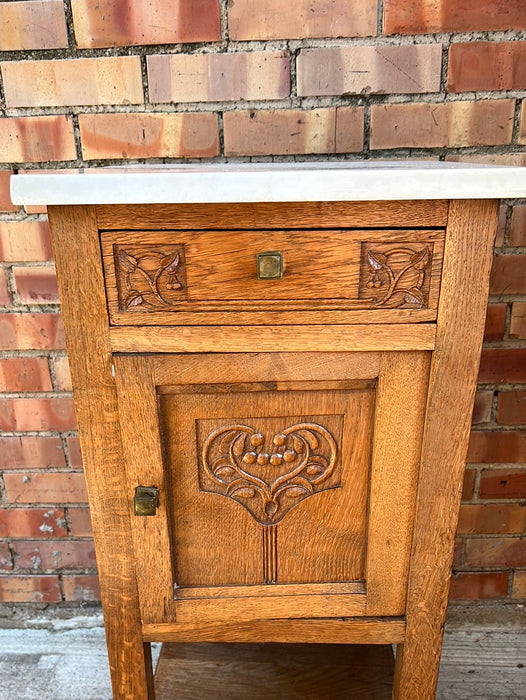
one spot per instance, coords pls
(45, 658)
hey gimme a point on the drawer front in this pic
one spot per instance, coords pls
(194, 277)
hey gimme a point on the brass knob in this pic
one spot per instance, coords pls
(145, 500)
(270, 265)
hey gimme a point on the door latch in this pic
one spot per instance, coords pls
(145, 500)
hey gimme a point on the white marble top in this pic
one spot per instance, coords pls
(270, 182)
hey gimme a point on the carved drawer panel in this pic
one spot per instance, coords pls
(194, 277)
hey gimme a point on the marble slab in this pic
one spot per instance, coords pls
(270, 182)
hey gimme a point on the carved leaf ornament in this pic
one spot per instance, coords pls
(403, 285)
(269, 482)
(142, 274)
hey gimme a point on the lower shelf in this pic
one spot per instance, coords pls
(264, 671)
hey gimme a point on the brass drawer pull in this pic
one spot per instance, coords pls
(145, 500)
(270, 265)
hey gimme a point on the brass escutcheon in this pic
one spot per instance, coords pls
(145, 500)
(270, 265)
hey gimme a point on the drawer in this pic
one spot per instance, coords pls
(272, 276)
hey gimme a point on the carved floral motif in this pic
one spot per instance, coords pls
(399, 275)
(148, 278)
(266, 476)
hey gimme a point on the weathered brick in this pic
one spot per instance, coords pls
(24, 374)
(100, 23)
(446, 124)
(54, 555)
(62, 374)
(519, 584)
(518, 225)
(458, 552)
(22, 241)
(81, 587)
(36, 139)
(6, 558)
(45, 488)
(115, 80)
(75, 454)
(293, 131)
(36, 24)
(258, 75)
(512, 408)
(5, 198)
(473, 585)
(508, 275)
(428, 16)
(298, 19)
(31, 332)
(29, 589)
(502, 365)
(506, 551)
(36, 285)
(37, 414)
(495, 322)
(31, 452)
(518, 321)
(487, 65)
(522, 130)
(32, 522)
(468, 488)
(188, 135)
(497, 446)
(5, 294)
(482, 407)
(501, 225)
(80, 522)
(491, 519)
(369, 69)
(503, 483)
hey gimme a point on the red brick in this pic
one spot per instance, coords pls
(518, 321)
(188, 135)
(29, 589)
(471, 585)
(37, 139)
(428, 16)
(522, 130)
(486, 553)
(518, 225)
(5, 197)
(37, 24)
(369, 69)
(512, 408)
(495, 322)
(33, 522)
(293, 131)
(31, 452)
(498, 446)
(45, 488)
(81, 587)
(24, 241)
(6, 558)
(31, 332)
(37, 414)
(75, 455)
(54, 555)
(468, 488)
(508, 275)
(445, 124)
(80, 522)
(100, 23)
(36, 285)
(5, 294)
(256, 75)
(491, 519)
(298, 19)
(458, 552)
(519, 584)
(114, 80)
(487, 65)
(501, 225)
(482, 407)
(62, 375)
(502, 365)
(503, 483)
(24, 374)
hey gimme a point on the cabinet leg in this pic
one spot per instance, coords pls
(130, 667)
(416, 671)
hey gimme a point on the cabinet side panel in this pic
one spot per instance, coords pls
(76, 248)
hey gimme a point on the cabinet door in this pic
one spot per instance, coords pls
(286, 481)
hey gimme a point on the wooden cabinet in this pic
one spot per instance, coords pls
(286, 387)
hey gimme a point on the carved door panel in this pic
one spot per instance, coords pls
(286, 481)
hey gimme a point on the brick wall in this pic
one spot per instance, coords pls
(94, 82)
